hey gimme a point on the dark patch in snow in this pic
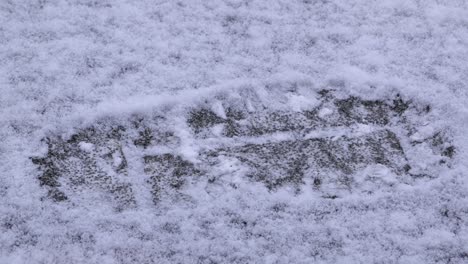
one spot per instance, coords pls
(94, 158)
(167, 172)
(89, 159)
(331, 113)
(287, 162)
(203, 118)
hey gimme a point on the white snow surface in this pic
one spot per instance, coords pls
(66, 63)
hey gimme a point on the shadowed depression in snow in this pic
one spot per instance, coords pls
(233, 131)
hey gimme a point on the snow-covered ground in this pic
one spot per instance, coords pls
(312, 131)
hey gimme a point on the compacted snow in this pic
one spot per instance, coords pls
(250, 131)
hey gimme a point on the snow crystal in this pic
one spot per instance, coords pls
(86, 146)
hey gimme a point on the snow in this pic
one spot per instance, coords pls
(85, 146)
(65, 65)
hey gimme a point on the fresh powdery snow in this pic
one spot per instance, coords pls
(233, 131)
